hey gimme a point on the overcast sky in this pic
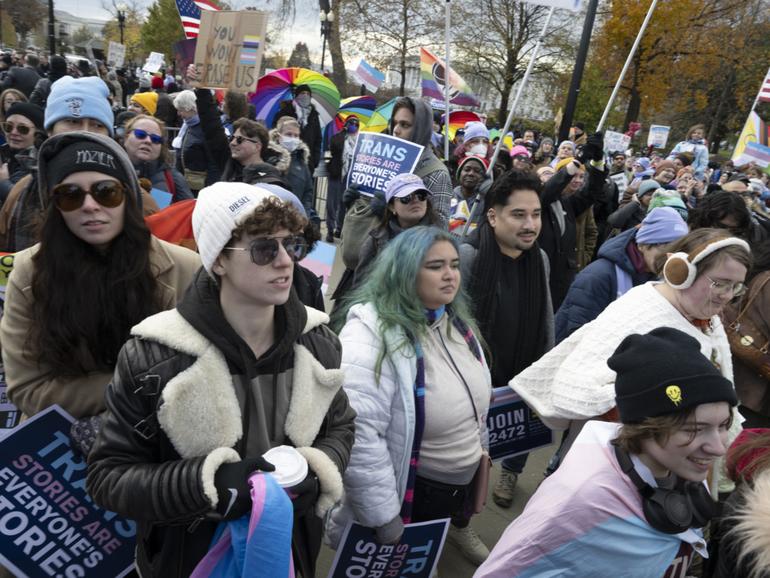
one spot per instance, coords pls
(306, 27)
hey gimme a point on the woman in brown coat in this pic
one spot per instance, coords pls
(72, 299)
(748, 327)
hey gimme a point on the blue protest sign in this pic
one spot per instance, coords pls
(163, 198)
(415, 556)
(49, 524)
(377, 158)
(513, 427)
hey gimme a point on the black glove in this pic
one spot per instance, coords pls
(378, 205)
(593, 150)
(304, 495)
(232, 484)
(349, 196)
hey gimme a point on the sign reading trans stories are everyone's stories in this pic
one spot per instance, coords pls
(48, 523)
(416, 554)
(377, 158)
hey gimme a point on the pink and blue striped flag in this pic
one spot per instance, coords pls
(369, 76)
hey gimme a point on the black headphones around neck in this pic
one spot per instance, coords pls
(671, 511)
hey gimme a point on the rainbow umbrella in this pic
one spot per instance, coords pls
(381, 117)
(496, 132)
(275, 87)
(361, 107)
(457, 120)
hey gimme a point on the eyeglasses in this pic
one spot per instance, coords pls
(22, 129)
(724, 287)
(419, 195)
(239, 139)
(143, 134)
(264, 250)
(69, 197)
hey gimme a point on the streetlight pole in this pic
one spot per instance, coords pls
(326, 17)
(121, 23)
(51, 30)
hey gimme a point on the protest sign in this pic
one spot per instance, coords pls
(658, 136)
(229, 50)
(116, 54)
(621, 180)
(377, 158)
(153, 63)
(50, 526)
(163, 198)
(184, 53)
(616, 141)
(320, 261)
(513, 427)
(416, 555)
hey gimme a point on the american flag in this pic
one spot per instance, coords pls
(764, 92)
(190, 13)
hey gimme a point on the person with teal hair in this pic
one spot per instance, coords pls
(409, 352)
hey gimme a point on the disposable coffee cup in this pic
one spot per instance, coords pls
(290, 465)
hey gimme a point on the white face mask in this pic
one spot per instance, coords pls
(479, 149)
(290, 143)
(303, 100)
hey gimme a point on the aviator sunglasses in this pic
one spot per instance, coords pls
(264, 250)
(239, 139)
(143, 134)
(419, 195)
(22, 129)
(69, 197)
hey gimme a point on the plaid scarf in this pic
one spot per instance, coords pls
(431, 316)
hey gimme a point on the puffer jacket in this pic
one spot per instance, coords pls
(376, 479)
(32, 386)
(596, 286)
(173, 417)
(155, 172)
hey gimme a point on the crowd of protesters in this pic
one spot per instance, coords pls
(623, 296)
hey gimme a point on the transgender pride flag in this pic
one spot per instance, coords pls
(369, 76)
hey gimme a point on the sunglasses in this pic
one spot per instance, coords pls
(239, 139)
(143, 134)
(264, 250)
(69, 197)
(22, 129)
(419, 195)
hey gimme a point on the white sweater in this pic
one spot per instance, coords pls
(573, 381)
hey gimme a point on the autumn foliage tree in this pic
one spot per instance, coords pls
(693, 54)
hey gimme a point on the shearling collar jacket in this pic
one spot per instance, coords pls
(174, 417)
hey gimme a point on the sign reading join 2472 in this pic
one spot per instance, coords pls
(378, 158)
(513, 427)
(49, 524)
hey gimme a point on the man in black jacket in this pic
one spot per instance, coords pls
(201, 392)
(558, 236)
(23, 78)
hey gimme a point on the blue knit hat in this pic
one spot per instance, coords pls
(79, 98)
(661, 225)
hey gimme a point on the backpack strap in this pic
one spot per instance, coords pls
(170, 184)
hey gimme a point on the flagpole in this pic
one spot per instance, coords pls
(626, 65)
(447, 18)
(756, 99)
(508, 121)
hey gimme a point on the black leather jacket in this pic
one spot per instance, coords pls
(143, 469)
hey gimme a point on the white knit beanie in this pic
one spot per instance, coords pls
(220, 208)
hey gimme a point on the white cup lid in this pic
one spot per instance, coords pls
(290, 465)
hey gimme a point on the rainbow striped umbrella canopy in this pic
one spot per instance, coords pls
(381, 117)
(458, 118)
(275, 87)
(361, 107)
